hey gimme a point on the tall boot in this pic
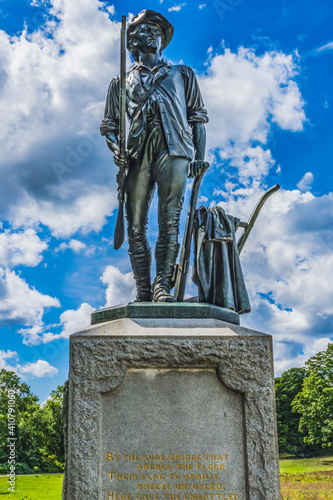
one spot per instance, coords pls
(141, 265)
(166, 255)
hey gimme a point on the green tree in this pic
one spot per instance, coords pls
(315, 401)
(26, 404)
(38, 428)
(287, 387)
(52, 451)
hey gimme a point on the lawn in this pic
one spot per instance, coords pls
(33, 488)
(306, 465)
(308, 479)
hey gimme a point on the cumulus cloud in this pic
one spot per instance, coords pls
(245, 94)
(87, 212)
(120, 290)
(120, 287)
(12, 356)
(39, 369)
(74, 320)
(284, 359)
(286, 261)
(21, 248)
(77, 246)
(305, 183)
(20, 303)
(50, 133)
(70, 321)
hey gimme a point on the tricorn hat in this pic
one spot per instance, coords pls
(150, 16)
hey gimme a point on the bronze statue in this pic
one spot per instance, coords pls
(166, 144)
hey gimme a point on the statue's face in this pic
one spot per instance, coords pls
(149, 38)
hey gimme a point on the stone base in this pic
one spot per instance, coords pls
(154, 310)
(171, 409)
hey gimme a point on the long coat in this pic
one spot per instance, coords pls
(217, 270)
(179, 100)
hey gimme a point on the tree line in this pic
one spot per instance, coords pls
(39, 443)
(304, 404)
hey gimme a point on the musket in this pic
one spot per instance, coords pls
(119, 231)
(253, 217)
(184, 259)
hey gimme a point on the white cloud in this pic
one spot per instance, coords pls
(39, 369)
(21, 248)
(8, 355)
(176, 8)
(75, 320)
(121, 287)
(54, 170)
(75, 245)
(202, 6)
(21, 303)
(305, 183)
(284, 361)
(287, 258)
(244, 94)
(87, 212)
(328, 46)
(287, 261)
(33, 335)
(70, 321)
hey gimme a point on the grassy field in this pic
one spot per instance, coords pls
(308, 479)
(33, 488)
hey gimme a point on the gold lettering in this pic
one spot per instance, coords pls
(131, 457)
(153, 457)
(123, 477)
(154, 486)
(111, 456)
(210, 467)
(118, 496)
(148, 496)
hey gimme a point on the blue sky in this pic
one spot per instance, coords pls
(265, 70)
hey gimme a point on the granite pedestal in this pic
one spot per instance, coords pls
(160, 407)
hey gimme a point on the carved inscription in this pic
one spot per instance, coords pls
(169, 477)
(172, 435)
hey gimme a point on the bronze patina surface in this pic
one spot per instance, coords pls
(166, 144)
(183, 310)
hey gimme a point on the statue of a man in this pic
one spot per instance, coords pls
(166, 144)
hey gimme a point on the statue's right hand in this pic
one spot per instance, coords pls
(113, 145)
(118, 159)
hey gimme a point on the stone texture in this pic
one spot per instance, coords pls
(106, 363)
(169, 412)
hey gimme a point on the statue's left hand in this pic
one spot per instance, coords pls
(197, 167)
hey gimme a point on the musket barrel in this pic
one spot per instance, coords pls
(122, 97)
(119, 232)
